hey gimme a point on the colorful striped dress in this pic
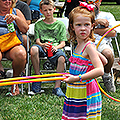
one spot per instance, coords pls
(83, 99)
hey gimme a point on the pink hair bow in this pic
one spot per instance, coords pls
(89, 7)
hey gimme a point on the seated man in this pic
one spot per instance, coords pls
(105, 21)
(53, 31)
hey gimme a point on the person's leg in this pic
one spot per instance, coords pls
(107, 50)
(109, 55)
(36, 51)
(107, 78)
(18, 57)
(24, 36)
(1, 67)
(60, 69)
(58, 59)
(2, 72)
(36, 86)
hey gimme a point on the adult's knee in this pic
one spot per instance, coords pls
(20, 55)
(61, 59)
(34, 50)
(108, 54)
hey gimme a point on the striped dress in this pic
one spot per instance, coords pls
(83, 99)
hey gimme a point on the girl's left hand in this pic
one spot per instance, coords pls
(70, 78)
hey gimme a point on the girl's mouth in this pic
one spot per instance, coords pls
(82, 33)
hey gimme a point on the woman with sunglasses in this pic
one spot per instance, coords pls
(16, 54)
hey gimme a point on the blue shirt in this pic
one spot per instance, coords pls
(34, 5)
(4, 29)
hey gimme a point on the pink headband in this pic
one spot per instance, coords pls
(89, 7)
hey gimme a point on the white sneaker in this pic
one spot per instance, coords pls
(33, 93)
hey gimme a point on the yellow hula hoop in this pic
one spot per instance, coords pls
(117, 100)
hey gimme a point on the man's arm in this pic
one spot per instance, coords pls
(102, 31)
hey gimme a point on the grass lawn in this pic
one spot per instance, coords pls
(46, 106)
(111, 7)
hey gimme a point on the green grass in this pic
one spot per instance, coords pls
(114, 9)
(39, 107)
(46, 106)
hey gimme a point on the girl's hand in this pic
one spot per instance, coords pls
(71, 78)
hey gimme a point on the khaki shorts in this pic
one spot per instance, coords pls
(105, 45)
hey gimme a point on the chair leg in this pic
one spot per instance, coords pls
(22, 88)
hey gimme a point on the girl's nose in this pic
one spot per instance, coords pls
(82, 27)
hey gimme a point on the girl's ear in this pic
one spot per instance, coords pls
(92, 26)
(72, 27)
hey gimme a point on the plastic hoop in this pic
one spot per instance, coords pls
(117, 100)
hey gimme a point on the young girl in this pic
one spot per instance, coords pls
(83, 97)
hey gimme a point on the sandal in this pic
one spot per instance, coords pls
(9, 94)
(14, 90)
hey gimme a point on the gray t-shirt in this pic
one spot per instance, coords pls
(24, 8)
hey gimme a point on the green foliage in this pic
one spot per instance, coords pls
(114, 9)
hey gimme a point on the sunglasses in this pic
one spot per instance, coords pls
(6, 0)
(91, 1)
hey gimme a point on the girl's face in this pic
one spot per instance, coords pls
(47, 11)
(82, 26)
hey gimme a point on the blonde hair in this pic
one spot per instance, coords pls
(46, 2)
(85, 12)
(13, 3)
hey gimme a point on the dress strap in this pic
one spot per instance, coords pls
(86, 45)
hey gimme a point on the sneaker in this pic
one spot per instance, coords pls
(58, 92)
(36, 87)
(33, 93)
(107, 79)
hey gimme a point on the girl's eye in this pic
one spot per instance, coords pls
(78, 24)
(87, 24)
